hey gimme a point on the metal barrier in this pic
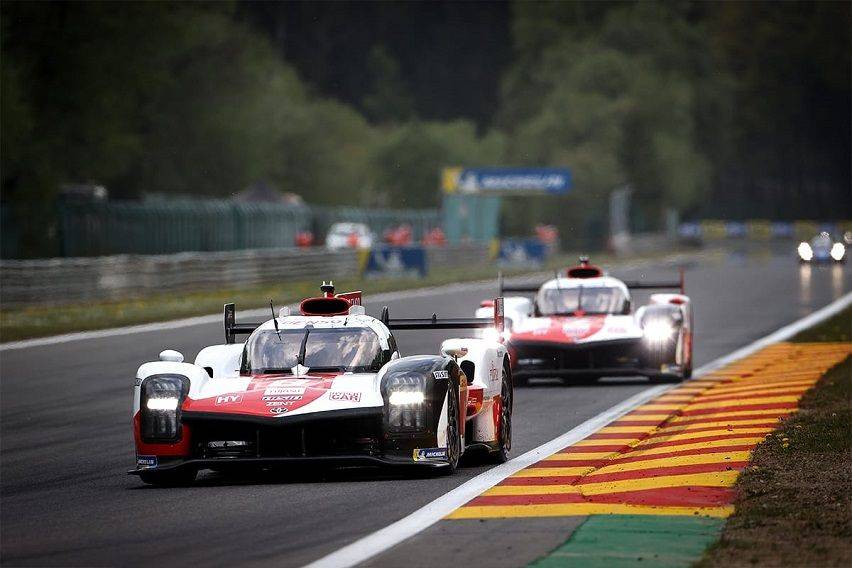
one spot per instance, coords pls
(66, 280)
(164, 227)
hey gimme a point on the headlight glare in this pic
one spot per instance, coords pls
(805, 251)
(167, 403)
(658, 331)
(837, 251)
(406, 397)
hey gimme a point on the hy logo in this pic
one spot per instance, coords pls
(229, 399)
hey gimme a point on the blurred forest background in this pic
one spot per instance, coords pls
(729, 110)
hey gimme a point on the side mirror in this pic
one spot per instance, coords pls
(453, 348)
(171, 355)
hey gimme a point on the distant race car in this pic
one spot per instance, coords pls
(822, 248)
(349, 235)
(325, 386)
(581, 325)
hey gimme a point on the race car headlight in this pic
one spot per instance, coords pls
(838, 251)
(491, 334)
(658, 331)
(406, 395)
(161, 397)
(805, 251)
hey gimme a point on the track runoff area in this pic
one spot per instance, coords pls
(650, 478)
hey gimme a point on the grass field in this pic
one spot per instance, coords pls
(41, 320)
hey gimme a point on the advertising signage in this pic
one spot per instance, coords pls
(506, 181)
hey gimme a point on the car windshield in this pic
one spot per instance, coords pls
(592, 300)
(822, 241)
(344, 349)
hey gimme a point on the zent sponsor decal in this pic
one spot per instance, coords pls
(229, 399)
(146, 462)
(346, 396)
(441, 374)
(427, 454)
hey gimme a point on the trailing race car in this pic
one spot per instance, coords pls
(581, 325)
(327, 385)
(822, 249)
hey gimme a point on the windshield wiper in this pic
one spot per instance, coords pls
(303, 347)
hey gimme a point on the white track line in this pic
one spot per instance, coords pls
(260, 312)
(374, 544)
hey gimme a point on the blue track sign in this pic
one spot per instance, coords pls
(506, 181)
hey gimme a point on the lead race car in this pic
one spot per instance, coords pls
(581, 325)
(326, 385)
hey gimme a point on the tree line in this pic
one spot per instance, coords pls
(715, 109)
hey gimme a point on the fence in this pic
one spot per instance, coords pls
(758, 229)
(65, 280)
(109, 228)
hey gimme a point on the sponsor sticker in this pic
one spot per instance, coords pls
(278, 409)
(146, 462)
(281, 403)
(441, 374)
(428, 454)
(345, 396)
(284, 390)
(492, 372)
(229, 399)
(281, 397)
(577, 328)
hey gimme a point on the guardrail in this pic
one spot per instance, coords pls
(66, 280)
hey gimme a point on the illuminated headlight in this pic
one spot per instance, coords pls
(838, 251)
(805, 251)
(658, 331)
(491, 334)
(406, 397)
(167, 403)
(161, 397)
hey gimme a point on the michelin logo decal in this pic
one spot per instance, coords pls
(428, 454)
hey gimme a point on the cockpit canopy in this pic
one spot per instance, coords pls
(322, 349)
(590, 300)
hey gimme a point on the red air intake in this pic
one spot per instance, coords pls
(324, 307)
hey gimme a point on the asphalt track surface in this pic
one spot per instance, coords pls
(65, 439)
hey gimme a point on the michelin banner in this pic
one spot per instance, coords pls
(506, 181)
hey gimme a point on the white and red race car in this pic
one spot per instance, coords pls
(326, 385)
(581, 325)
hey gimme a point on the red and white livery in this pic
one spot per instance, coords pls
(581, 325)
(326, 385)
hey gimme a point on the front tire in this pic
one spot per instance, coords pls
(504, 434)
(453, 436)
(170, 478)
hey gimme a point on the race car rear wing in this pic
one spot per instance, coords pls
(634, 285)
(232, 328)
(679, 284)
(435, 322)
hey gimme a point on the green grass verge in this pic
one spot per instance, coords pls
(43, 320)
(793, 506)
(836, 328)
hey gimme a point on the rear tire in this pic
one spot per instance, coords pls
(170, 478)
